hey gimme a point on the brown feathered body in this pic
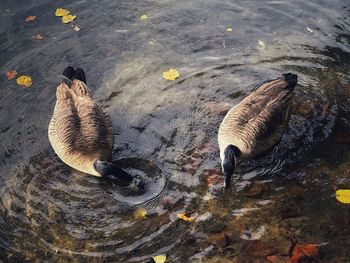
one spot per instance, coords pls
(79, 131)
(257, 123)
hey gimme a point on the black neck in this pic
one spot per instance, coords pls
(113, 173)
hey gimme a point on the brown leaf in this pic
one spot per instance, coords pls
(341, 137)
(220, 108)
(11, 74)
(290, 212)
(30, 18)
(38, 37)
(278, 259)
(213, 176)
(257, 248)
(255, 189)
(302, 252)
(219, 240)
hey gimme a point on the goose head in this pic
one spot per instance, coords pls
(228, 163)
(118, 176)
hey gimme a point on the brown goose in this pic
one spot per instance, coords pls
(256, 124)
(81, 133)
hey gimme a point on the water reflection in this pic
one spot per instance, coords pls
(49, 211)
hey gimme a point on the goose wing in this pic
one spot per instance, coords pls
(79, 125)
(258, 121)
(266, 113)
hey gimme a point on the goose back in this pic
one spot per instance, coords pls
(79, 131)
(257, 123)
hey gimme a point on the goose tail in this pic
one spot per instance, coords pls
(71, 74)
(291, 79)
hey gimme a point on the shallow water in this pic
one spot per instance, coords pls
(51, 213)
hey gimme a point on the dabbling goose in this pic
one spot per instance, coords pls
(256, 124)
(81, 133)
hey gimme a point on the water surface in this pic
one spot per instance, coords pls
(51, 213)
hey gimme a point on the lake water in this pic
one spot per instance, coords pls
(51, 213)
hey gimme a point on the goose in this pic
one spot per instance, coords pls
(81, 133)
(256, 124)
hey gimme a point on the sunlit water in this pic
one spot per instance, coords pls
(52, 213)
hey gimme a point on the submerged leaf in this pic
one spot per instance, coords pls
(24, 81)
(343, 195)
(11, 74)
(30, 18)
(302, 252)
(159, 259)
(68, 18)
(61, 12)
(278, 259)
(143, 17)
(140, 213)
(171, 74)
(229, 29)
(184, 217)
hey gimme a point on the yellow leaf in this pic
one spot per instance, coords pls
(343, 196)
(184, 217)
(229, 29)
(261, 44)
(68, 18)
(24, 81)
(143, 17)
(140, 213)
(61, 12)
(171, 74)
(159, 259)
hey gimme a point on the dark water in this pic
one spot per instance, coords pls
(51, 213)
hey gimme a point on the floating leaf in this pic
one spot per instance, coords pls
(159, 259)
(343, 195)
(24, 81)
(261, 44)
(185, 217)
(229, 29)
(11, 74)
(30, 18)
(68, 18)
(61, 12)
(171, 74)
(302, 252)
(140, 213)
(76, 28)
(38, 37)
(143, 17)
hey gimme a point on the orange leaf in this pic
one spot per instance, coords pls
(38, 37)
(305, 251)
(30, 18)
(11, 74)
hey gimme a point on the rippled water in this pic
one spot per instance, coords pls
(51, 213)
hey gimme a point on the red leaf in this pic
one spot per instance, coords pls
(305, 251)
(11, 74)
(30, 18)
